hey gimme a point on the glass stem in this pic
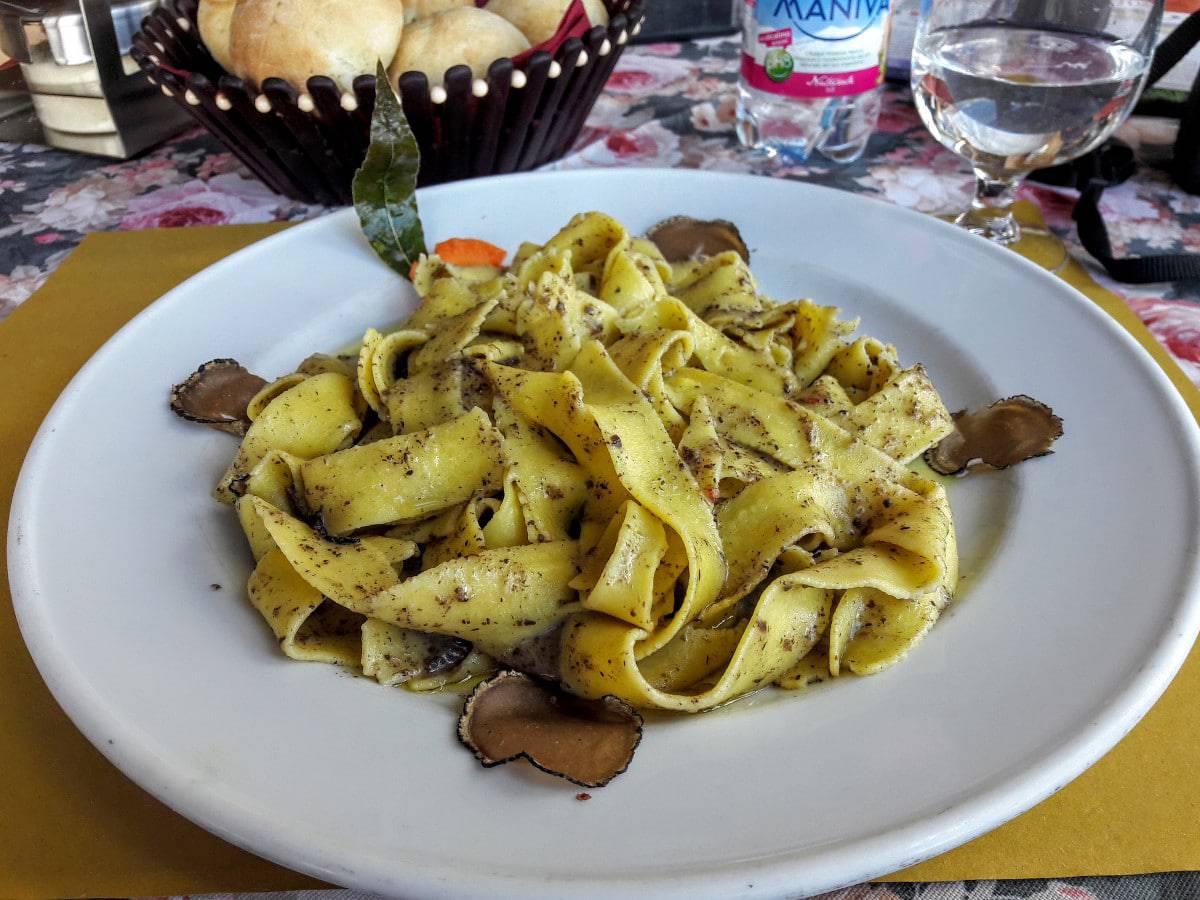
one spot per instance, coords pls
(991, 214)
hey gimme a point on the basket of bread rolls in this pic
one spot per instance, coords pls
(488, 86)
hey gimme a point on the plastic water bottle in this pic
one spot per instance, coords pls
(811, 76)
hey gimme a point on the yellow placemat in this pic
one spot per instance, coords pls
(71, 825)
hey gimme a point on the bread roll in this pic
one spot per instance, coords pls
(538, 20)
(212, 18)
(465, 36)
(296, 39)
(423, 9)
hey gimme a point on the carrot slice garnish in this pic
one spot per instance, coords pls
(470, 252)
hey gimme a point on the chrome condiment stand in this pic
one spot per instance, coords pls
(87, 93)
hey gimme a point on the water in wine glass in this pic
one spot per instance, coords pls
(1013, 99)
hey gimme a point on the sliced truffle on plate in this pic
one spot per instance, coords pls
(1007, 432)
(513, 716)
(394, 655)
(681, 238)
(217, 394)
(451, 652)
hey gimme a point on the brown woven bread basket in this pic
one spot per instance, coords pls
(308, 144)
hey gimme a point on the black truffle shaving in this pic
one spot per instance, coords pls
(512, 716)
(681, 238)
(238, 485)
(1009, 431)
(317, 524)
(448, 656)
(217, 395)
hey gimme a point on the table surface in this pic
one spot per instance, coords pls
(666, 105)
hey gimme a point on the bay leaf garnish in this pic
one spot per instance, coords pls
(385, 186)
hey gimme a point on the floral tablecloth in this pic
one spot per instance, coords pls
(667, 105)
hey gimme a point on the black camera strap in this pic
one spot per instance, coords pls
(1115, 163)
(1094, 173)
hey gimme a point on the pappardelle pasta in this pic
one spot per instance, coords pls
(644, 479)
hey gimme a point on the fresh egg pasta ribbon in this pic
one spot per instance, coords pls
(612, 429)
(311, 417)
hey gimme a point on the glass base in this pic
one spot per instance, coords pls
(1038, 245)
(1002, 229)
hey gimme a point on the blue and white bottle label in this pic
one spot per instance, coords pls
(815, 48)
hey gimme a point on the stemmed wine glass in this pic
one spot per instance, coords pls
(1019, 85)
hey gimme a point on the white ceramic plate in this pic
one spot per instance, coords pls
(1079, 599)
